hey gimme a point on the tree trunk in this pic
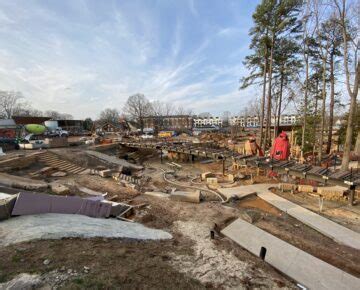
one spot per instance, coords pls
(322, 126)
(263, 101)
(315, 116)
(280, 100)
(352, 93)
(305, 104)
(332, 103)
(349, 134)
(268, 105)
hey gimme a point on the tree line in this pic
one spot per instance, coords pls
(13, 103)
(305, 52)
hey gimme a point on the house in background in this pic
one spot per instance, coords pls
(7, 128)
(109, 127)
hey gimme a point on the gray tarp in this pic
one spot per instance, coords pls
(39, 203)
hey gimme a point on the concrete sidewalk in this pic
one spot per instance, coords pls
(323, 225)
(297, 264)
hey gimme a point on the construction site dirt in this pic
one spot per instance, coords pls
(191, 259)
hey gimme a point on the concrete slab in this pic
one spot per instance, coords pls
(238, 191)
(57, 226)
(22, 182)
(325, 226)
(113, 160)
(308, 270)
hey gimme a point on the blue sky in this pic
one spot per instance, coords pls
(80, 57)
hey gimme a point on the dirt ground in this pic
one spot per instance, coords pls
(191, 260)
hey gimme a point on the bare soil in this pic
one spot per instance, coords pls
(191, 260)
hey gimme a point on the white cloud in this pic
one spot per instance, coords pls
(85, 64)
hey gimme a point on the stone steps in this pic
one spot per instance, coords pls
(52, 160)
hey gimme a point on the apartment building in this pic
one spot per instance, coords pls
(254, 121)
(208, 121)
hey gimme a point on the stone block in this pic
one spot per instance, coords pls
(332, 192)
(105, 173)
(230, 177)
(205, 175)
(193, 197)
(211, 180)
(306, 188)
(287, 186)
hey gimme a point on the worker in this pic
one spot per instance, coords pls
(252, 148)
(281, 147)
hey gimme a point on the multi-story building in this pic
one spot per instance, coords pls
(175, 122)
(208, 121)
(254, 121)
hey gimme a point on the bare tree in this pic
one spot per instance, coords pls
(180, 110)
(9, 103)
(55, 115)
(138, 107)
(159, 108)
(110, 115)
(352, 86)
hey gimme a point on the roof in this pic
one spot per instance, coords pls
(101, 124)
(7, 123)
(24, 120)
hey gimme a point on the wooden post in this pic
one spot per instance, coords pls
(223, 164)
(352, 195)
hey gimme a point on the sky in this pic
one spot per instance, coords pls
(82, 56)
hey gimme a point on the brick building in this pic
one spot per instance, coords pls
(175, 122)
